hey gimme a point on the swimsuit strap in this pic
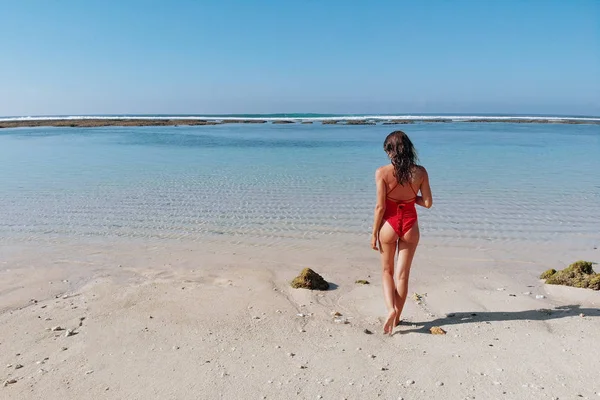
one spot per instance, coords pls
(402, 201)
(413, 189)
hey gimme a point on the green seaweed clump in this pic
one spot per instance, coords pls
(594, 282)
(362, 282)
(309, 279)
(548, 274)
(580, 274)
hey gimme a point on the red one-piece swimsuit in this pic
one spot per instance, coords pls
(401, 215)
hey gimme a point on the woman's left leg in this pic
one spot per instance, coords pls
(388, 241)
(407, 247)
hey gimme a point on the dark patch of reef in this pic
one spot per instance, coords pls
(101, 122)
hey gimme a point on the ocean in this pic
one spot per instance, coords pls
(295, 184)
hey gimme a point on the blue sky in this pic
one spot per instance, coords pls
(82, 57)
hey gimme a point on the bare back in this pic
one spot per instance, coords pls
(397, 192)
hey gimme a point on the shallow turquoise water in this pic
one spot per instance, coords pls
(277, 184)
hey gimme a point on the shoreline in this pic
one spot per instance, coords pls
(123, 122)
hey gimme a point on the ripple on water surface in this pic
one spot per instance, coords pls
(278, 185)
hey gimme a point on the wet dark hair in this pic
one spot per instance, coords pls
(403, 155)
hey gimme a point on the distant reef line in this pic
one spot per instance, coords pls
(103, 122)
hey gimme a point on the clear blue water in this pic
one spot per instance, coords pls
(279, 184)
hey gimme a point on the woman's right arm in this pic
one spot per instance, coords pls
(379, 208)
(425, 199)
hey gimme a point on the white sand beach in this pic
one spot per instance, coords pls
(175, 321)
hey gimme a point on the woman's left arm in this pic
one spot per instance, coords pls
(425, 200)
(379, 208)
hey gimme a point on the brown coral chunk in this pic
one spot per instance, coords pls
(436, 330)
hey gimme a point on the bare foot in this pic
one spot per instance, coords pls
(388, 327)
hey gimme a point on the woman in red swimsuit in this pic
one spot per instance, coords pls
(395, 226)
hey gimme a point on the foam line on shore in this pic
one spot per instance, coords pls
(298, 117)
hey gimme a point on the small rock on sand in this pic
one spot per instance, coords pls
(70, 332)
(18, 366)
(9, 382)
(410, 382)
(436, 330)
(336, 313)
(368, 332)
(91, 371)
(57, 328)
(439, 383)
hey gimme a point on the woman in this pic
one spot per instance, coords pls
(395, 226)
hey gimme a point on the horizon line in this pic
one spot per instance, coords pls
(295, 115)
